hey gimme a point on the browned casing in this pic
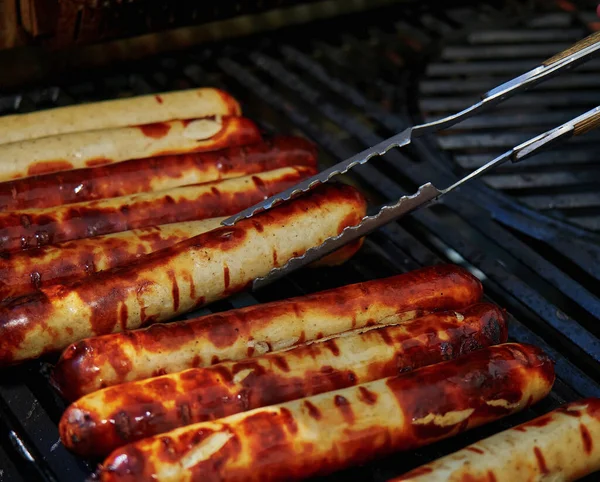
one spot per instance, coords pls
(158, 173)
(108, 360)
(23, 272)
(327, 432)
(563, 445)
(163, 284)
(104, 420)
(80, 150)
(32, 228)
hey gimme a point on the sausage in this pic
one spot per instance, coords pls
(255, 330)
(184, 104)
(562, 445)
(155, 173)
(107, 146)
(33, 228)
(169, 282)
(327, 432)
(104, 420)
(24, 272)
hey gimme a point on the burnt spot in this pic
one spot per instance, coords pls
(586, 438)
(345, 408)
(259, 183)
(367, 396)
(541, 461)
(312, 409)
(45, 167)
(214, 360)
(196, 361)
(159, 99)
(155, 130)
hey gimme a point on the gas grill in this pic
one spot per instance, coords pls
(530, 232)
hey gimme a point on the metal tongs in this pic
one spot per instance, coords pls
(575, 55)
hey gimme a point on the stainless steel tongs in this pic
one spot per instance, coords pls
(573, 56)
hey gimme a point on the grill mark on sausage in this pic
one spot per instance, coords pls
(586, 439)
(45, 167)
(156, 130)
(539, 456)
(226, 279)
(344, 406)
(313, 411)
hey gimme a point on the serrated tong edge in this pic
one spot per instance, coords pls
(578, 53)
(428, 193)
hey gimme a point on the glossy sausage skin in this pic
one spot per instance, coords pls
(80, 150)
(165, 106)
(24, 272)
(563, 445)
(158, 173)
(33, 228)
(104, 420)
(166, 283)
(324, 433)
(255, 330)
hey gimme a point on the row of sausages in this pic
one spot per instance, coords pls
(118, 226)
(307, 386)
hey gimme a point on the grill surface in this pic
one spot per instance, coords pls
(346, 88)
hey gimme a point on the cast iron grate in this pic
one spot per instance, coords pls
(346, 86)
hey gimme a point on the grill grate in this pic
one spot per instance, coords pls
(346, 88)
(563, 183)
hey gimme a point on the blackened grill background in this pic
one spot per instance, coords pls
(346, 86)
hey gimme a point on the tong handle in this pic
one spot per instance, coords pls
(587, 123)
(582, 44)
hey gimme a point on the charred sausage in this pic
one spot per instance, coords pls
(163, 284)
(185, 104)
(104, 420)
(79, 150)
(324, 433)
(560, 446)
(156, 173)
(24, 272)
(247, 332)
(33, 228)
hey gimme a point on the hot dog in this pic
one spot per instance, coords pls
(104, 420)
(185, 104)
(32, 228)
(163, 284)
(154, 174)
(563, 445)
(79, 150)
(324, 433)
(24, 272)
(252, 331)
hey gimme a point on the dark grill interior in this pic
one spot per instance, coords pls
(347, 87)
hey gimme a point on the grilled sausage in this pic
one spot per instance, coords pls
(32, 228)
(104, 420)
(560, 446)
(324, 433)
(185, 104)
(247, 332)
(27, 271)
(163, 284)
(155, 174)
(96, 148)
